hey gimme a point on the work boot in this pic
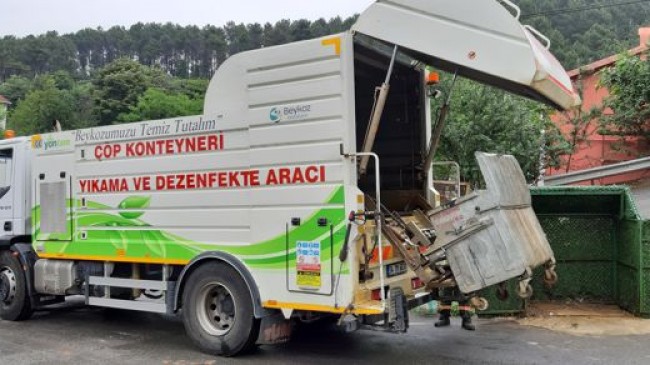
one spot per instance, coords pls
(467, 322)
(443, 321)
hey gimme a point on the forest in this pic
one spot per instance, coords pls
(149, 71)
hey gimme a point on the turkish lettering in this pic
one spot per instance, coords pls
(147, 129)
(211, 142)
(207, 180)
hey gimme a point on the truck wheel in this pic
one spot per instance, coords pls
(14, 301)
(218, 310)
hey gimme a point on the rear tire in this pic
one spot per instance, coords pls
(14, 301)
(218, 311)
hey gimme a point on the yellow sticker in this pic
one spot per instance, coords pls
(336, 42)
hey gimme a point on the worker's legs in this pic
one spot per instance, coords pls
(445, 310)
(467, 320)
(445, 314)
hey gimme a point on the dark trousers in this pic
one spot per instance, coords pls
(445, 305)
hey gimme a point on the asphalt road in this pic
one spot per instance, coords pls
(97, 336)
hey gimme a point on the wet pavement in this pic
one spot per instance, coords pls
(72, 335)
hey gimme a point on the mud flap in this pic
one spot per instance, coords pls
(398, 314)
(274, 329)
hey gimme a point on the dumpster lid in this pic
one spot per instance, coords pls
(481, 39)
(505, 181)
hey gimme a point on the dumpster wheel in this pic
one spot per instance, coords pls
(524, 289)
(550, 278)
(479, 303)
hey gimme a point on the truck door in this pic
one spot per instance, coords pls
(308, 271)
(53, 198)
(6, 191)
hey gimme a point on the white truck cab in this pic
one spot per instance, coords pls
(15, 204)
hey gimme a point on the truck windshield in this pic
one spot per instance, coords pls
(6, 158)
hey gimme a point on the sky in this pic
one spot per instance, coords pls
(24, 17)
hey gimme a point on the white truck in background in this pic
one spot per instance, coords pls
(302, 191)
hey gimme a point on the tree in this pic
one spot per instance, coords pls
(119, 85)
(46, 103)
(579, 121)
(40, 108)
(237, 37)
(485, 119)
(16, 88)
(320, 28)
(158, 104)
(578, 37)
(301, 30)
(279, 33)
(628, 83)
(255, 35)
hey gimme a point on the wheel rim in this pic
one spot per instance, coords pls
(7, 285)
(215, 309)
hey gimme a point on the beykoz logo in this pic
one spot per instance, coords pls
(290, 112)
(274, 115)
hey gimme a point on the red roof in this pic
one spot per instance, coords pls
(644, 34)
(4, 100)
(595, 66)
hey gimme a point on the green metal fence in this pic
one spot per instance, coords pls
(601, 245)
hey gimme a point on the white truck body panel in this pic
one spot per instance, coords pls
(479, 38)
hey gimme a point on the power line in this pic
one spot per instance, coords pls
(581, 8)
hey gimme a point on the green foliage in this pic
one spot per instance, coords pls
(189, 51)
(593, 32)
(629, 97)
(158, 104)
(36, 113)
(185, 52)
(122, 91)
(50, 99)
(482, 118)
(118, 87)
(16, 88)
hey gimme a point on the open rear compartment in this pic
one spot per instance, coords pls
(481, 240)
(400, 143)
(404, 129)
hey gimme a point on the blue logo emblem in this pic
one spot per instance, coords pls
(274, 115)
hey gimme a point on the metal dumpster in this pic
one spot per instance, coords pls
(493, 235)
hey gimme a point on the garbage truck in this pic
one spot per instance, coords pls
(303, 190)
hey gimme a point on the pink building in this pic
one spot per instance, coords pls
(597, 150)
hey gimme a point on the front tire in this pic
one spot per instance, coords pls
(14, 301)
(218, 310)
